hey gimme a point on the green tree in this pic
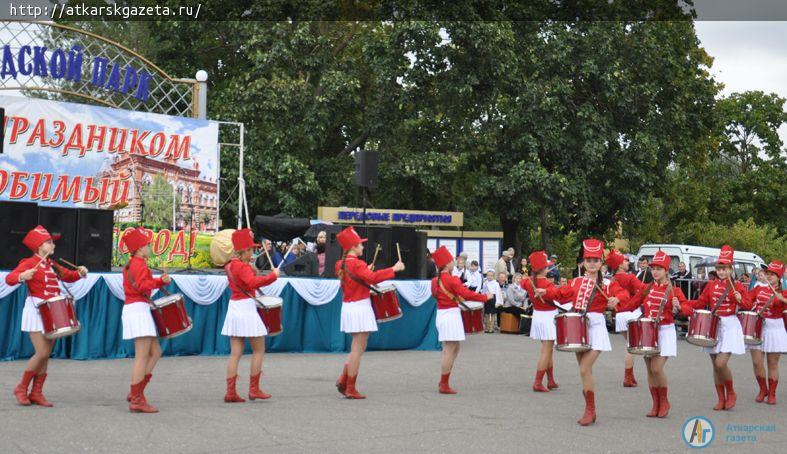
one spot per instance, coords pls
(157, 198)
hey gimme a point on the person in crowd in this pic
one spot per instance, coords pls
(515, 298)
(523, 267)
(490, 285)
(319, 249)
(554, 272)
(262, 262)
(474, 277)
(512, 267)
(745, 279)
(579, 269)
(644, 275)
(682, 278)
(460, 270)
(502, 264)
(761, 281)
(562, 282)
(502, 282)
(431, 268)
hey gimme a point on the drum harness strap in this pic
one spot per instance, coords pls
(663, 302)
(767, 305)
(352, 276)
(459, 300)
(721, 299)
(232, 281)
(133, 283)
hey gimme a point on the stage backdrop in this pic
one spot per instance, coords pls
(161, 169)
(310, 315)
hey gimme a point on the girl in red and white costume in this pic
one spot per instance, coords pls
(590, 294)
(619, 265)
(774, 336)
(357, 316)
(138, 283)
(41, 276)
(449, 290)
(730, 334)
(544, 311)
(648, 302)
(243, 321)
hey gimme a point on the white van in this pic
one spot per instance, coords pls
(745, 262)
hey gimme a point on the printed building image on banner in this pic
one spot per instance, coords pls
(152, 169)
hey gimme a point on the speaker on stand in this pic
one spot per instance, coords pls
(62, 221)
(94, 239)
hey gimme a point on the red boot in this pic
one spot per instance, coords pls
(763, 389)
(729, 404)
(231, 396)
(254, 388)
(444, 387)
(654, 394)
(772, 391)
(350, 392)
(144, 382)
(590, 409)
(138, 402)
(37, 393)
(720, 392)
(21, 389)
(664, 405)
(538, 385)
(551, 383)
(628, 378)
(341, 383)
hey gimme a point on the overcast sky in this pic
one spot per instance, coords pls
(748, 56)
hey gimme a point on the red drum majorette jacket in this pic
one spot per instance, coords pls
(244, 279)
(629, 282)
(454, 286)
(711, 294)
(540, 304)
(353, 291)
(759, 297)
(144, 283)
(651, 302)
(579, 290)
(43, 284)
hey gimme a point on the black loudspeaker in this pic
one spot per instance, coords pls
(377, 235)
(62, 221)
(366, 169)
(333, 251)
(421, 247)
(407, 237)
(16, 219)
(94, 239)
(305, 265)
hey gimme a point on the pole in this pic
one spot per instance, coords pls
(174, 215)
(241, 182)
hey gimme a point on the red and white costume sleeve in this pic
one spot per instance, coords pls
(352, 290)
(143, 281)
(245, 279)
(43, 284)
(453, 285)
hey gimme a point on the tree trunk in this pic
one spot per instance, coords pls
(511, 234)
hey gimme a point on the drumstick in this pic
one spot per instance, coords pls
(68, 263)
(374, 259)
(602, 292)
(398, 252)
(268, 254)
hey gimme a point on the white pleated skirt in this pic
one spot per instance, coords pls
(622, 319)
(243, 320)
(449, 325)
(358, 317)
(730, 336)
(668, 340)
(598, 337)
(138, 321)
(543, 325)
(774, 337)
(31, 319)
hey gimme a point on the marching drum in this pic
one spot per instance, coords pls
(571, 332)
(473, 317)
(643, 337)
(169, 314)
(751, 323)
(269, 308)
(58, 317)
(385, 303)
(703, 326)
